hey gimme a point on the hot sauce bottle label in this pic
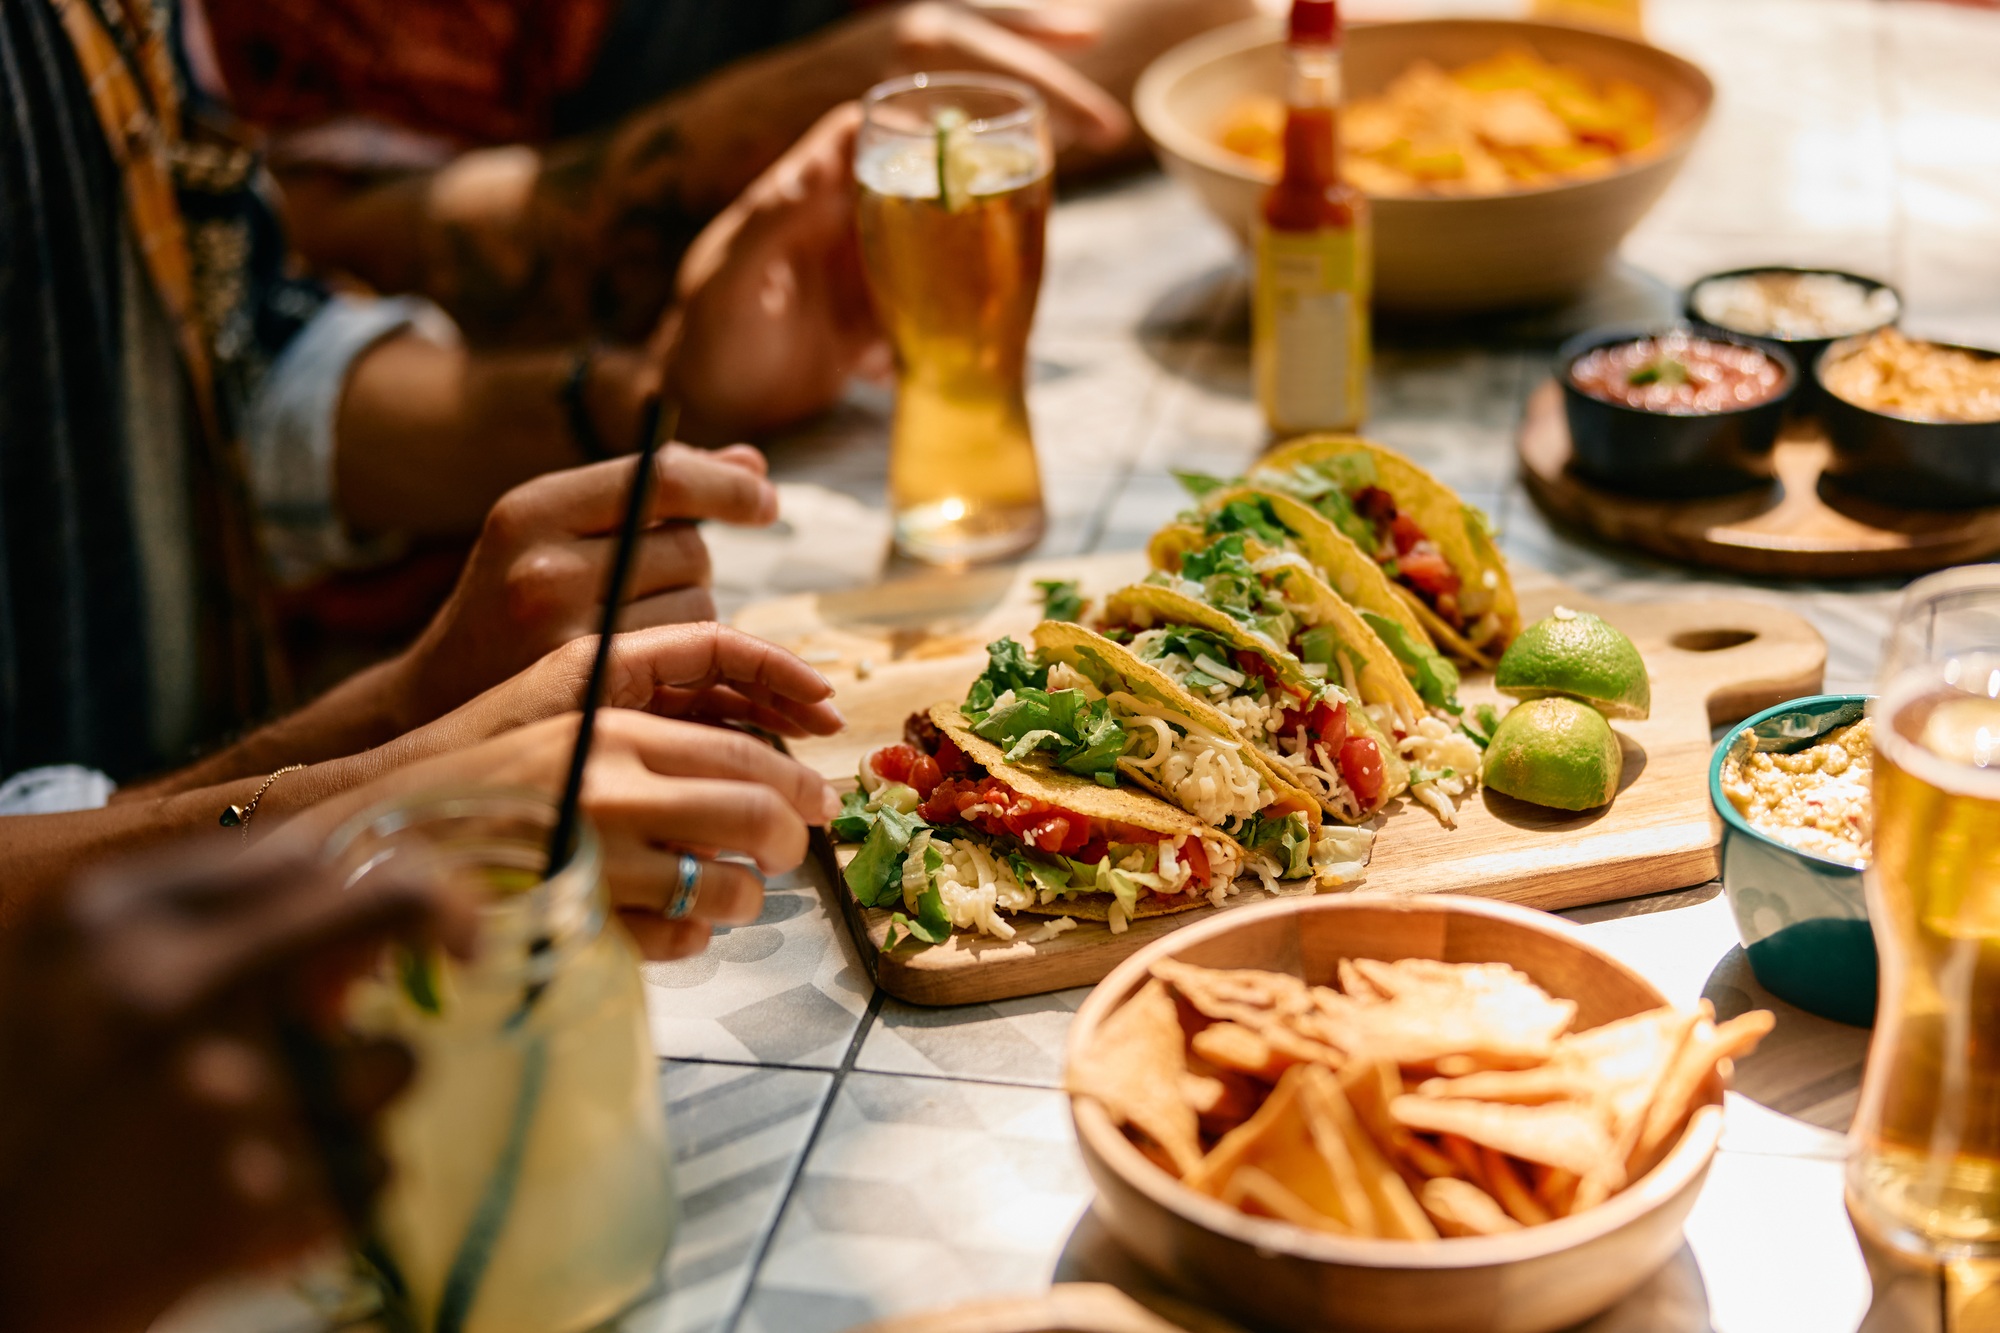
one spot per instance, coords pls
(1310, 328)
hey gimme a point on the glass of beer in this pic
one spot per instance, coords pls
(529, 1187)
(954, 172)
(1924, 1166)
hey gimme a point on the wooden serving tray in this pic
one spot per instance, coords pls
(1801, 526)
(901, 646)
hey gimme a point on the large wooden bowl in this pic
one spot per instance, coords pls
(1271, 1273)
(1435, 255)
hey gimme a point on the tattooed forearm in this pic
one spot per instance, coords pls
(583, 238)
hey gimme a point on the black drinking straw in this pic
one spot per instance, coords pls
(656, 426)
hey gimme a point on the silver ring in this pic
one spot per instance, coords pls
(690, 885)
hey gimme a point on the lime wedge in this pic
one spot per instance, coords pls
(1577, 655)
(1555, 752)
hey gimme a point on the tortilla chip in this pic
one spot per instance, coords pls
(1706, 1048)
(1569, 1135)
(1222, 1098)
(1235, 1047)
(1430, 1016)
(1395, 1210)
(1279, 1141)
(1510, 1191)
(1259, 1193)
(1461, 1208)
(1133, 1068)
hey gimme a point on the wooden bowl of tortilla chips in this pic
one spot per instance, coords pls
(1437, 254)
(1535, 1213)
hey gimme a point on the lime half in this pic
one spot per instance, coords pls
(1555, 752)
(1577, 655)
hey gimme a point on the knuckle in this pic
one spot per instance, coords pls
(538, 584)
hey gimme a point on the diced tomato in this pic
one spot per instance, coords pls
(925, 775)
(1195, 857)
(1429, 572)
(1405, 533)
(1361, 765)
(950, 759)
(892, 762)
(1374, 504)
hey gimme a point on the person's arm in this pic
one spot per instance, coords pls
(692, 673)
(526, 244)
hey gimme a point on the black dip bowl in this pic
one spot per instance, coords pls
(1670, 455)
(1803, 351)
(1903, 461)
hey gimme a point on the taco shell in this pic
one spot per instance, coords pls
(1459, 530)
(1035, 776)
(1380, 679)
(1098, 657)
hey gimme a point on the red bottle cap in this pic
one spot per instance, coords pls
(1315, 23)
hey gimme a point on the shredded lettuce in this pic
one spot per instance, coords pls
(1079, 733)
(1201, 484)
(876, 873)
(931, 926)
(1253, 515)
(1230, 585)
(1286, 839)
(1062, 599)
(1479, 726)
(1120, 884)
(1435, 678)
(1009, 666)
(1326, 484)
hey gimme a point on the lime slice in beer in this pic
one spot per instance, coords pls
(956, 164)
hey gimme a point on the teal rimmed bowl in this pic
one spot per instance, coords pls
(1802, 918)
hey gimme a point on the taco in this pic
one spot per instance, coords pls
(1435, 550)
(1099, 713)
(1309, 729)
(1244, 563)
(1271, 599)
(956, 835)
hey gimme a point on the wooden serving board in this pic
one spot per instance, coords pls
(901, 646)
(1800, 526)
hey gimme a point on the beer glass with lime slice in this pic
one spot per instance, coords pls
(529, 1187)
(954, 172)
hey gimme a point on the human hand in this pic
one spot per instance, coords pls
(774, 315)
(1016, 38)
(655, 788)
(535, 579)
(695, 673)
(150, 1138)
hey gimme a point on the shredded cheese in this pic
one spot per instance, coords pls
(1451, 761)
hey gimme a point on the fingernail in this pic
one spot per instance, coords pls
(829, 802)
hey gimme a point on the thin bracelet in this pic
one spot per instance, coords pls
(576, 384)
(238, 816)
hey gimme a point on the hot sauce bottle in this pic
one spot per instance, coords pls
(1309, 317)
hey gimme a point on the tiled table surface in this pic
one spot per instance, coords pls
(915, 1157)
(845, 1156)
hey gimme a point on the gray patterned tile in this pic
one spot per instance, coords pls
(920, 1192)
(1007, 1041)
(738, 1134)
(788, 990)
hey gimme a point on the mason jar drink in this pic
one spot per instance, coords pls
(955, 185)
(530, 1187)
(1924, 1166)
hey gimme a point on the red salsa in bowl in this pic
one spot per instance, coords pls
(1679, 374)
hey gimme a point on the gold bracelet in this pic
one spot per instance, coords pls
(238, 816)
